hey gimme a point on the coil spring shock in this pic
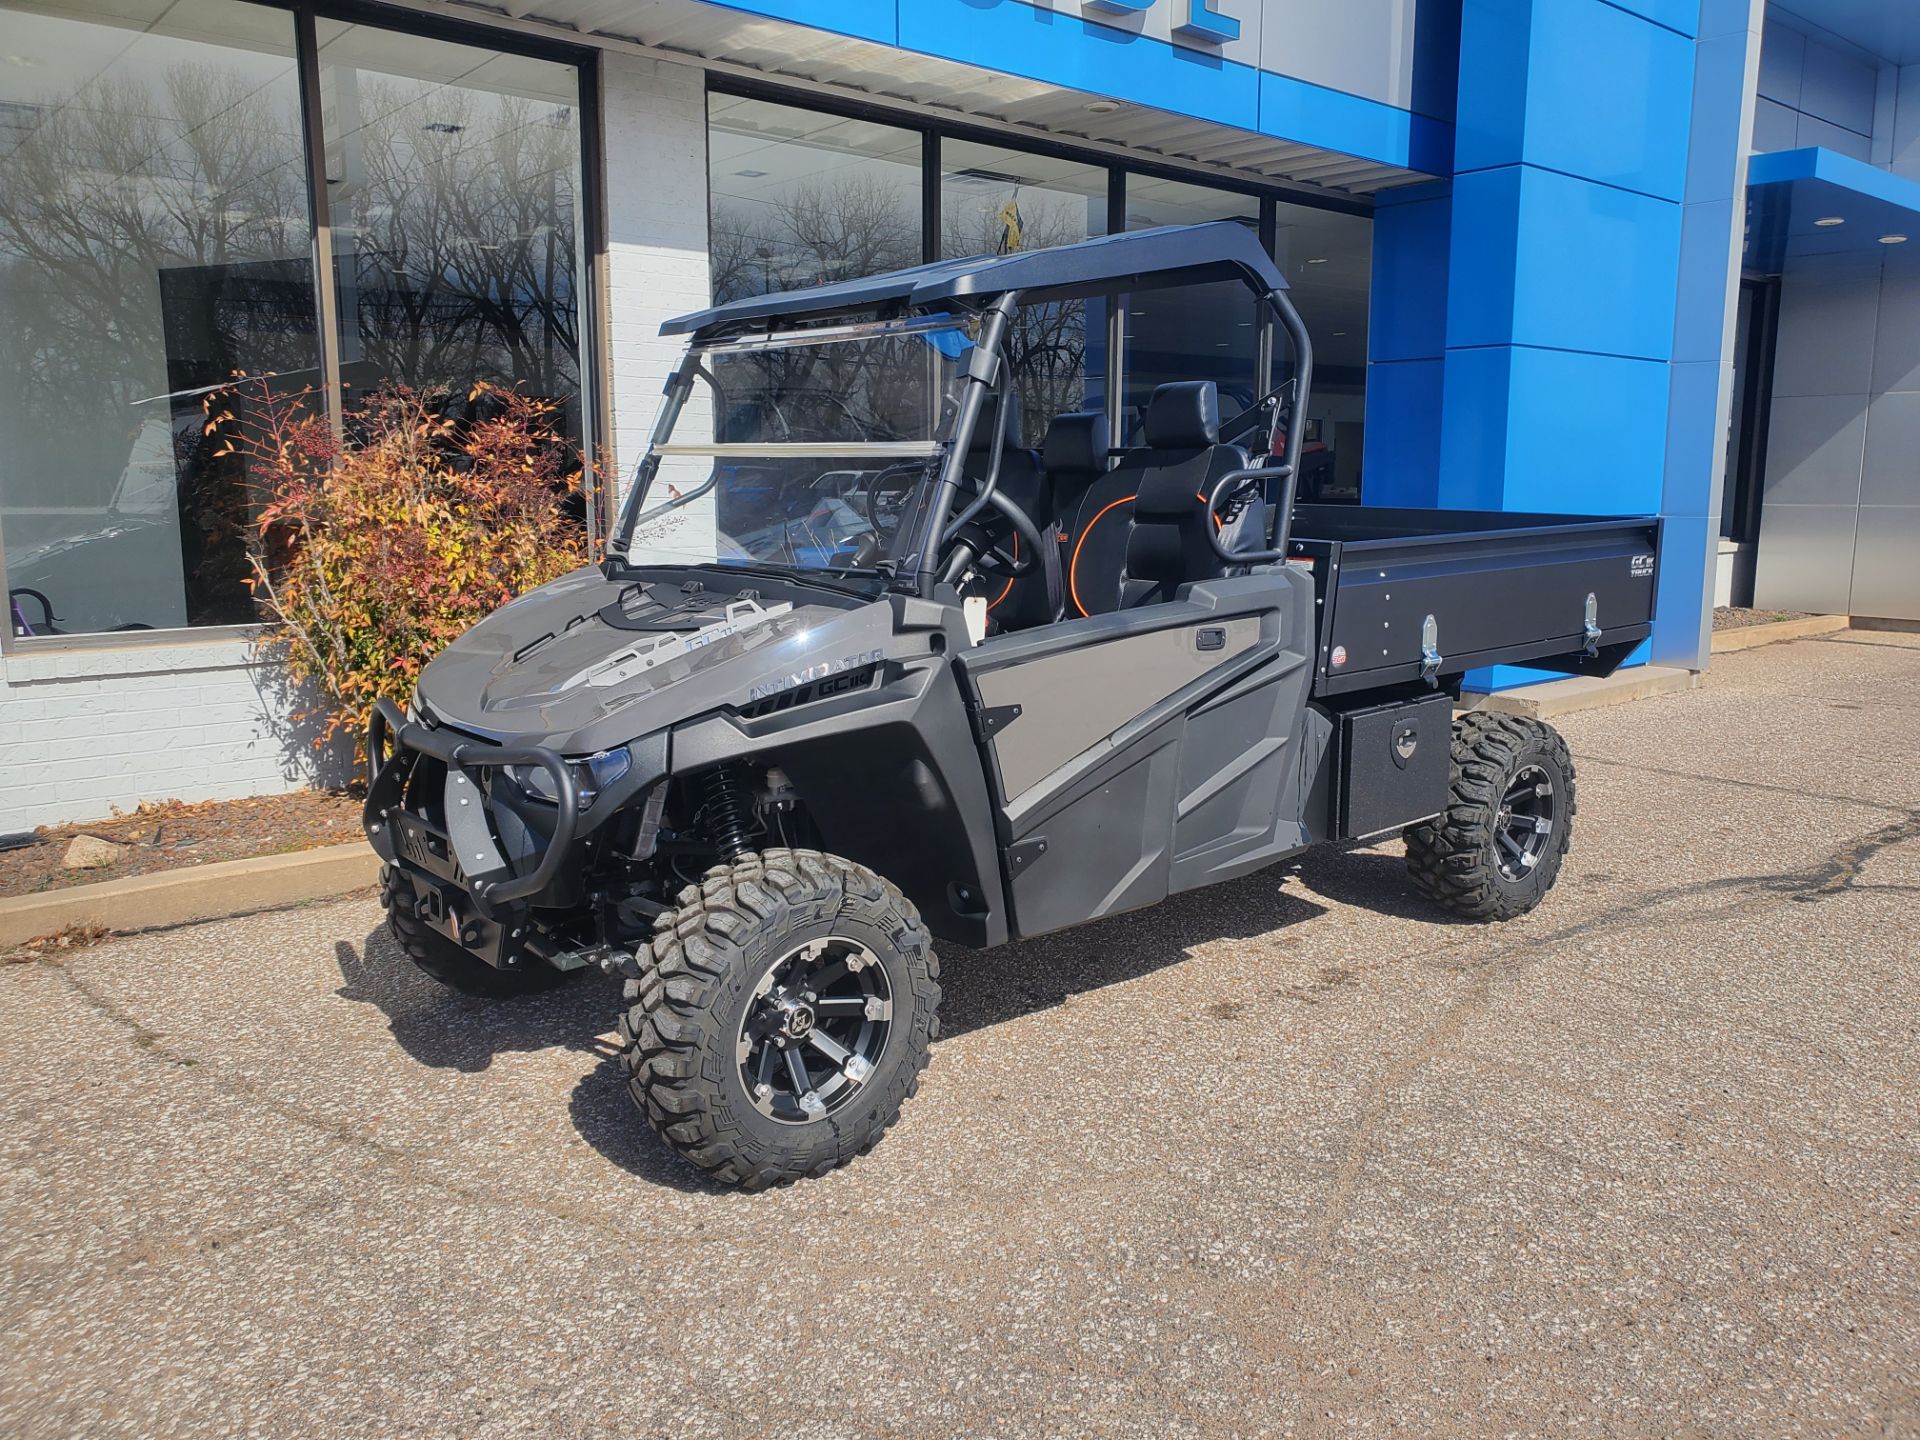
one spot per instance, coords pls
(726, 812)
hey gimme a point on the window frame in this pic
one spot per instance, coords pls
(596, 407)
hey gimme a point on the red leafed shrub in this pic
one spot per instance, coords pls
(372, 555)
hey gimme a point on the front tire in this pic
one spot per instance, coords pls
(1496, 850)
(782, 1016)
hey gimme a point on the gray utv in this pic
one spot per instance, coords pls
(866, 666)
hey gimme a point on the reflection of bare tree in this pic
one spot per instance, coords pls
(862, 224)
(1046, 343)
(859, 224)
(110, 192)
(154, 240)
(456, 223)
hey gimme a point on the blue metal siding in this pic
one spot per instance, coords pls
(1080, 52)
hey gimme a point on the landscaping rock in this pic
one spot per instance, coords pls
(89, 852)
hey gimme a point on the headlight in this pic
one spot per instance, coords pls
(590, 776)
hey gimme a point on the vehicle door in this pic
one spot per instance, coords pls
(1148, 751)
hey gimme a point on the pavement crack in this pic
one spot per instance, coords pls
(1842, 871)
(140, 1036)
(1760, 786)
(401, 1164)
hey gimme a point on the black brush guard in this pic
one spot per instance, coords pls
(468, 854)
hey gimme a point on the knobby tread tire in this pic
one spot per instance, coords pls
(454, 968)
(1451, 859)
(678, 1022)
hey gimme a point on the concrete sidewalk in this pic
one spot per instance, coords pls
(1290, 1156)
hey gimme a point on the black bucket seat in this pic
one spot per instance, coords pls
(1141, 530)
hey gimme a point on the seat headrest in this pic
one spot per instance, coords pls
(1076, 444)
(1166, 495)
(1184, 415)
(990, 415)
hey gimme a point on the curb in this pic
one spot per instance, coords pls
(1586, 692)
(205, 892)
(1747, 637)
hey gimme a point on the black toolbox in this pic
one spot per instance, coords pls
(1394, 764)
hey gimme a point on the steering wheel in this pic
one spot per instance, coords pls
(887, 495)
(996, 558)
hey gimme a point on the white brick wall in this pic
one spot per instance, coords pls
(84, 732)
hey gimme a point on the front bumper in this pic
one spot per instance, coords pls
(460, 872)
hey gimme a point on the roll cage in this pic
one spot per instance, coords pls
(987, 290)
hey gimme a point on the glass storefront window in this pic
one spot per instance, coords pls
(1327, 258)
(154, 239)
(801, 198)
(1196, 332)
(994, 201)
(453, 178)
(156, 242)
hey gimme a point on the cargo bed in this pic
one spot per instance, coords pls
(1407, 595)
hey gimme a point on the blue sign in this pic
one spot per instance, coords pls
(1203, 22)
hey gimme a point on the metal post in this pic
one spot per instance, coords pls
(596, 392)
(1263, 317)
(982, 372)
(1116, 316)
(929, 196)
(306, 47)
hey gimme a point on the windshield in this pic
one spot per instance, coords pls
(812, 450)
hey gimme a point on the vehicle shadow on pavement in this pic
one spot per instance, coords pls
(989, 987)
(1372, 881)
(450, 1031)
(446, 1030)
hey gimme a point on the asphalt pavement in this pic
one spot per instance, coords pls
(1288, 1156)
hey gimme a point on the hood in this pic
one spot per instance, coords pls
(558, 664)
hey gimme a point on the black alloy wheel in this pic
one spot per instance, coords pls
(814, 1030)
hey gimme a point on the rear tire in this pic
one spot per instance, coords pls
(1496, 850)
(782, 1016)
(454, 968)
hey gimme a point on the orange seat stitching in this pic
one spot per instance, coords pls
(1073, 566)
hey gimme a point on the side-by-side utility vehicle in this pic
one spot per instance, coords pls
(881, 654)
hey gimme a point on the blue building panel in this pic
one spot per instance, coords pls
(1407, 314)
(1594, 267)
(1058, 48)
(1474, 432)
(1719, 81)
(1706, 239)
(1403, 432)
(1679, 611)
(1694, 437)
(1490, 114)
(1484, 230)
(1553, 430)
(1540, 258)
(1681, 15)
(1579, 86)
(1586, 434)
(1609, 97)
(1314, 115)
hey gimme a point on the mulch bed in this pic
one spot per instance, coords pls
(172, 836)
(1726, 618)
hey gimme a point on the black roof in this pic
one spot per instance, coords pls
(1136, 260)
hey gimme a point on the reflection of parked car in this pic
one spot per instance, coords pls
(759, 788)
(32, 614)
(117, 566)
